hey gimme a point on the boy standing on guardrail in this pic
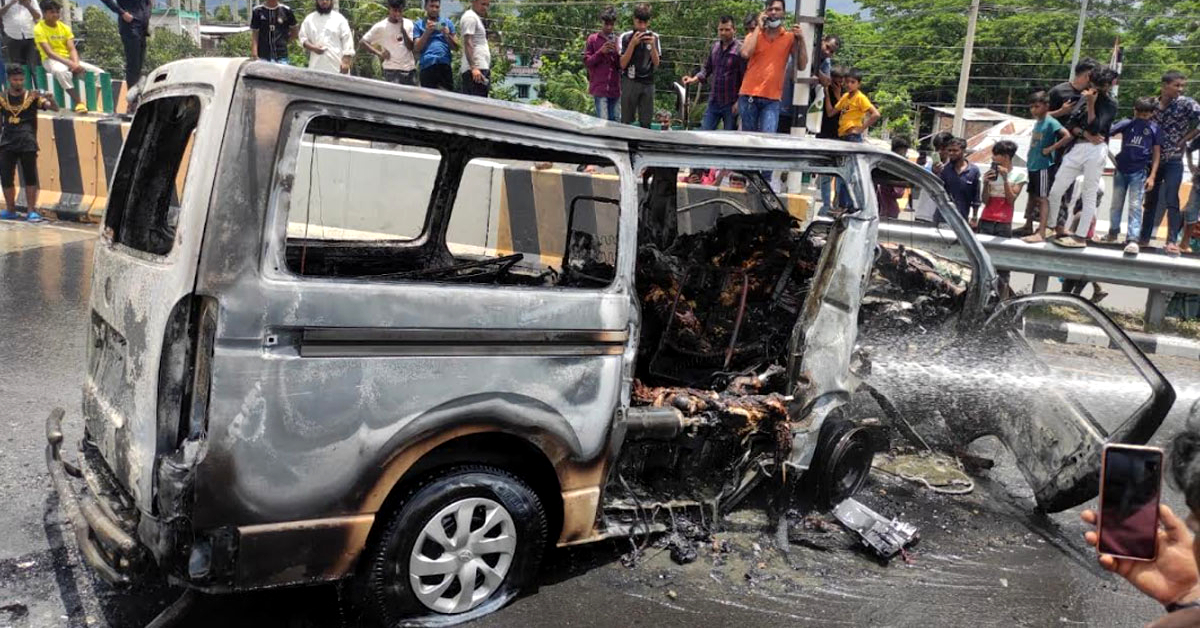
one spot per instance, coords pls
(18, 142)
(56, 43)
(1140, 148)
(1047, 138)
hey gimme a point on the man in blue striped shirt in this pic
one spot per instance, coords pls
(723, 70)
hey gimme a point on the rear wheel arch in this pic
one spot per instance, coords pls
(489, 447)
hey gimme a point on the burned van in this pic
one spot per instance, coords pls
(343, 329)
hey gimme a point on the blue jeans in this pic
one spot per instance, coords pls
(718, 113)
(1166, 200)
(826, 194)
(844, 200)
(1128, 192)
(759, 114)
(1191, 214)
(610, 106)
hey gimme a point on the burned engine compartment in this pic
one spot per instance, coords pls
(718, 311)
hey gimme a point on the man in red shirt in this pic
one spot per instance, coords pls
(603, 60)
(767, 50)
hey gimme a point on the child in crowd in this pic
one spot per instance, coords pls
(1002, 186)
(56, 43)
(857, 112)
(1140, 149)
(1048, 137)
(890, 195)
(829, 130)
(18, 142)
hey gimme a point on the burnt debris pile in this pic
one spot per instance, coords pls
(722, 303)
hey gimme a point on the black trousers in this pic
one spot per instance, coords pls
(8, 168)
(438, 76)
(133, 38)
(471, 88)
(24, 52)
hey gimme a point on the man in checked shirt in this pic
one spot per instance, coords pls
(723, 70)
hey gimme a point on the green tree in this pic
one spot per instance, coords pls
(563, 83)
(166, 46)
(235, 45)
(99, 41)
(223, 14)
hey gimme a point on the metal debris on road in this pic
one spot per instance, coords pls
(885, 537)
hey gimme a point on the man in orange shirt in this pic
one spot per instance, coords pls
(767, 50)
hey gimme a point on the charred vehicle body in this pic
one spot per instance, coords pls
(347, 329)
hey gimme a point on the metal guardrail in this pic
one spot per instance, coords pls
(1158, 273)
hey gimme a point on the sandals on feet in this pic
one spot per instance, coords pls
(1068, 241)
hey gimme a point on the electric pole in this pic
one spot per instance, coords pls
(1083, 6)
(964, 75)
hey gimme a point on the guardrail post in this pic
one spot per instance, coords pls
(1041, 283)
(106, 96)
(89, 88)
(1156, 309)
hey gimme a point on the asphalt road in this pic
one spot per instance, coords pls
(984, 559)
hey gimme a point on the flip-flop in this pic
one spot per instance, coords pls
(1070, 242)
(1034, 238)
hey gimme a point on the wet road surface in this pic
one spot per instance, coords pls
(984, 559)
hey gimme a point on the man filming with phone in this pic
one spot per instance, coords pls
(766, 51)
(435, 40)
(1170, 576)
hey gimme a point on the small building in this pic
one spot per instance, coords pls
(211, 35)
(523, 77)
(975, 120)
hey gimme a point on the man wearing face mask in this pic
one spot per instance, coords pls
(767, 50)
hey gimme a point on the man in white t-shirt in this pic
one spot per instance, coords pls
(391, 39)
(477, 57)
(19, 17)
(327, 37)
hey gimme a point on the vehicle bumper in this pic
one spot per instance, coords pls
(107, 540)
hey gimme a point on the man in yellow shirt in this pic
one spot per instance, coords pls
(56, 44)
(858, 114)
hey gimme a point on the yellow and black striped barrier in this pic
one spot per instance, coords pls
(76, 158)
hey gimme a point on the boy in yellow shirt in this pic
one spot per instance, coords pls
(56, 44)
(858, 114)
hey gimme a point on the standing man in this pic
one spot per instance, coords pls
(1177, 118)
(327, 37)
(961, 179)
(435, 40)
(723, 70)
(1063, 98)
(19, 17)
(56, 43)
(640, 55)
(18, 143)
(603, 61)
(391, 39)
(133, 22)
(767, 50)
(272, 26)
(1090, 123)
(477, 57)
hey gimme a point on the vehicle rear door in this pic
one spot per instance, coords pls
(144, 272)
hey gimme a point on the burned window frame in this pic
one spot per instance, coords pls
(464, 142)
(126, 171)
(983, 289)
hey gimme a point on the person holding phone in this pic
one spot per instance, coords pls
(640, 55)
(603, 61)
(1171, 578)
(435, 40)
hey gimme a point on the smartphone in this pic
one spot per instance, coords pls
(1130, 487)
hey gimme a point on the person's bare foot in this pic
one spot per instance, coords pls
(1172, 249)
(1036, 238)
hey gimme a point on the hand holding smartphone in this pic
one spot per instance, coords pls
(1130, 488)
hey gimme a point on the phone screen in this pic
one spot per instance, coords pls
(1130, 485)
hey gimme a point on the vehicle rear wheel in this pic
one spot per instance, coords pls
(462, 544)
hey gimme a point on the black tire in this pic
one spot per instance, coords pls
(385, 585)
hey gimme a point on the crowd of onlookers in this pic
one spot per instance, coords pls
(411, 52)
(1069, 147)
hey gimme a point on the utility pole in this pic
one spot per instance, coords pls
(1083, 6)
(964, 75)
